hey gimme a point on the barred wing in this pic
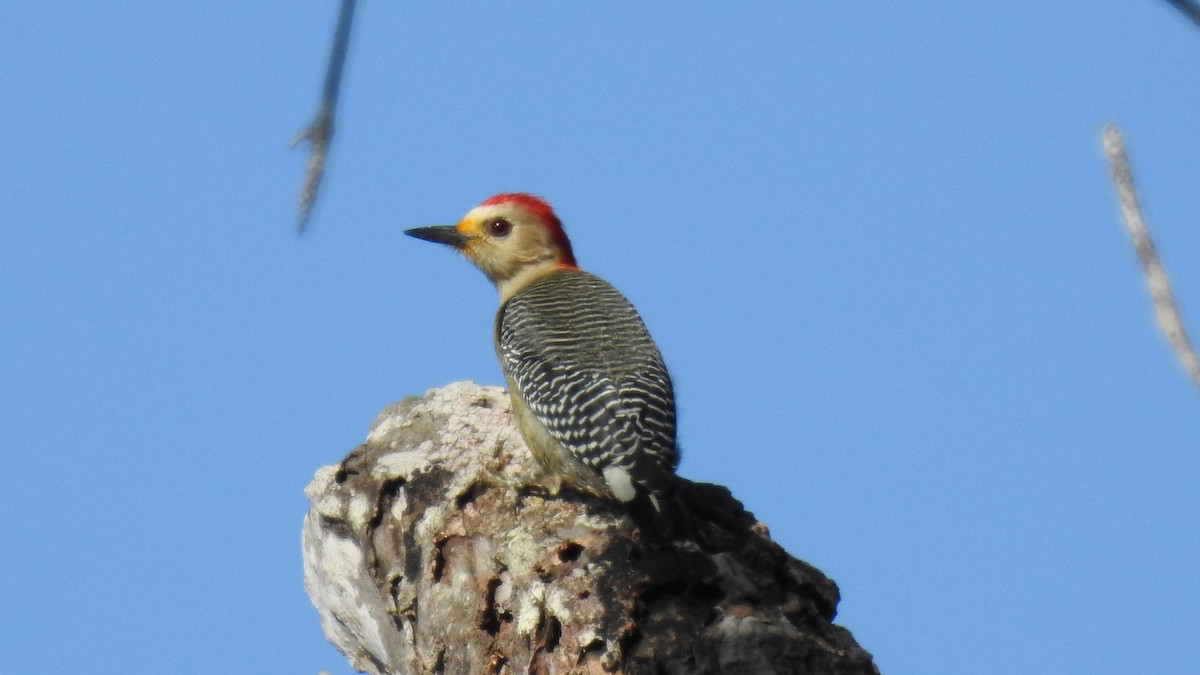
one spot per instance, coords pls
(592, 375)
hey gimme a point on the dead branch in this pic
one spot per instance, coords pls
(1190, 9)
(1165, 309)
(431, 549)
(319, 132)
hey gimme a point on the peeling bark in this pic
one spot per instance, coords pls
(432, 549)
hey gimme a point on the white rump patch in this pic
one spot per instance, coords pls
(620, 483)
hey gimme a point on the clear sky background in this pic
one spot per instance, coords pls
(875, 241)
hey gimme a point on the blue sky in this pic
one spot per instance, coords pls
(876, 243)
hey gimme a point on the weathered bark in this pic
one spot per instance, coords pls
(431, 549)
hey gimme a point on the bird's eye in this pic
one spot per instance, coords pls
(498, 227)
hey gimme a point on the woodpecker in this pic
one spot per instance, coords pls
(591, 394)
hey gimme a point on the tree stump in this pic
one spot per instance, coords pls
(431, 548)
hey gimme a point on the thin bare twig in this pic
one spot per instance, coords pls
(1165, 309)
(1189, 8)
(320, 131)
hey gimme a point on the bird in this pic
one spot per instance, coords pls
(590, 391)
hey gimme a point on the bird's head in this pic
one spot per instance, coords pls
(512, 237)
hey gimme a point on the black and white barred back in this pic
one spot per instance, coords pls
(592, 376)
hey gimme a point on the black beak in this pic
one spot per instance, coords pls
(441, 234)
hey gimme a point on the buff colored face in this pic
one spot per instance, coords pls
(503, 239)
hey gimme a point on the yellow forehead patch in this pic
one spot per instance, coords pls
(472, 223)
(468, 226)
